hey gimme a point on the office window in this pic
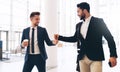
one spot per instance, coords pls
(4, 14)
(33, 5)
(4, 39)
(14, 18)
(17, 40)
(19, 13)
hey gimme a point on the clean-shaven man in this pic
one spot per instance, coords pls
(89, 35)
(33, 39)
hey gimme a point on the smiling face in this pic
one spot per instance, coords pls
(35, 20)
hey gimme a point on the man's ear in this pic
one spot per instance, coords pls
(85, 11)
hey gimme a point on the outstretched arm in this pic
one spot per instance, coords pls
(48, 41)
(67, 39)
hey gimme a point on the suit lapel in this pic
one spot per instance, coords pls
(28, 33)
(39, 33)
(89, 27)
(78, 30)
(40, 37)
(28, 37)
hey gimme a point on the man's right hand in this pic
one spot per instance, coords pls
(25, 43)
(56, 36)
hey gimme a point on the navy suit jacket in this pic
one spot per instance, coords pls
(42, 37)
(92, 45)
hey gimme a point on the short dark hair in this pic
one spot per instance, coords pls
(34, 13)
(84, 5)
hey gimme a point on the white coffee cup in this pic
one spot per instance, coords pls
(25, 42)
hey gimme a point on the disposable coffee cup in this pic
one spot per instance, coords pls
(25, 40)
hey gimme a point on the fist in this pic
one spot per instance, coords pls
(56, 36)
(113, 61)
(55, 42)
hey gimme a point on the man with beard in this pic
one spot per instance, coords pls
(33, 39)
(89, 35)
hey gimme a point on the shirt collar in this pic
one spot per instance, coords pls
(34, 27)
(88, 19)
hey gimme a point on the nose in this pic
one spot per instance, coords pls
(78, 14)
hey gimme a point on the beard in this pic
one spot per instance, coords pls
(36, 24)
(82, 17)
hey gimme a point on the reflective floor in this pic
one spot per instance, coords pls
(66, 62)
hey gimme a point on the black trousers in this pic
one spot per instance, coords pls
(34, 60)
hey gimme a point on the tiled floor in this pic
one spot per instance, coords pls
(66, 62)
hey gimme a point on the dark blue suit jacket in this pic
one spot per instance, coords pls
(42, 37)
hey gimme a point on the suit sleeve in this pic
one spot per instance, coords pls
(47, 39)
(69, 39)
(108, 36)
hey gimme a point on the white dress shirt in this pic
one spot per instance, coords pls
(84, 27)
(36, 48)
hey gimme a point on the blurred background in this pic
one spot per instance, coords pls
(57, 16)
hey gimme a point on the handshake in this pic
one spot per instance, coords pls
(55, 41)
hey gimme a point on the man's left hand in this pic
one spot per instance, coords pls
(113, 61)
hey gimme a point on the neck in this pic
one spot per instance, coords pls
(87, 15)
(33, 25)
